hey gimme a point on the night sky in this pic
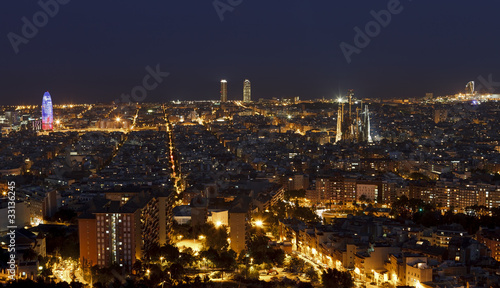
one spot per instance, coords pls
(97, 50)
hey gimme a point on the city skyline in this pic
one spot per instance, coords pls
(246, 144)
(402, 188)
(408, 56)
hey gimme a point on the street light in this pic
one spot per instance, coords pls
(259, 223)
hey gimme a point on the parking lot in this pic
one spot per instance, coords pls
(281, 275)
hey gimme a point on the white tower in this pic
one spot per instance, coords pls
(247, 91)
(223, 90)
(367, 125)
(338, 136)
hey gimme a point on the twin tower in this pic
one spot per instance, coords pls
(247, 91)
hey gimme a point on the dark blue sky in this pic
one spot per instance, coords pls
(97, 50)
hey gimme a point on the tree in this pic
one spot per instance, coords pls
(227, 260)
(292, 194)
(418, 176)
(305, 214)
(305, 285)
(211, 254)
(170, 252)
(312, 274)
(181, 231)
(295, 264)
(152, 253)
(333, 278)
(281, 209)
(65, 215)
(276, 256)
(248, 272)
(176, 271)
(187, 257)
(137, 267)
(214, 237)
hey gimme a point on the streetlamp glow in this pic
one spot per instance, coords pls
(259, 223)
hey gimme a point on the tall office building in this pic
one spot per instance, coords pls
(247, 91)
(223, 90)
(47, 114)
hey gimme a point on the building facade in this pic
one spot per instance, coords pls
(223, 90)
(247, 92)
(47, 113)
(115, 233)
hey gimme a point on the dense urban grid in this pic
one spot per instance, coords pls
(345, 192)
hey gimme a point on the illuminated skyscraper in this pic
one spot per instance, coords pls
(223, 90)
(247, 92)
(47, 114)
(338, 136)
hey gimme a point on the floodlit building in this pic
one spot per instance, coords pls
(247, 92)
(223, 90)
(353, 128)
(238, 224)
(47, 113)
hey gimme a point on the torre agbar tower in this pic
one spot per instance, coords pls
(47, 114)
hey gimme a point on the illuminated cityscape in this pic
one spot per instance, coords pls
(317, 194)
(247, 144)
